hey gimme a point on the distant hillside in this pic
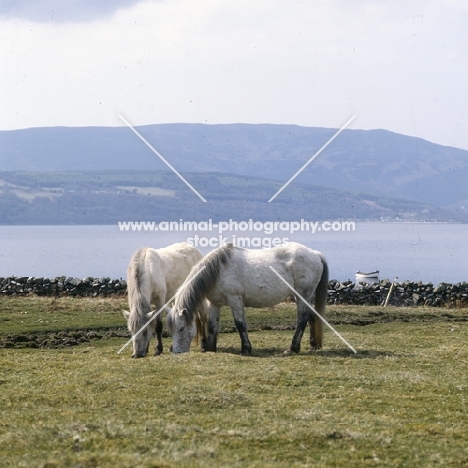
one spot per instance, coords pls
(107, 197)
(377, 162)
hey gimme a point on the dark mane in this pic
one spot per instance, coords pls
(205, 274)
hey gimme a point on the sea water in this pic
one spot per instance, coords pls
(410, 251)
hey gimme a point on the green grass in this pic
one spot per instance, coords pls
(400, 401)
(34, 314)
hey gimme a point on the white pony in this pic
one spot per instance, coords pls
(153, 277)
(243, 278)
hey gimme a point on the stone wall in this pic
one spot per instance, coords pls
(405, 293)
(62, 286)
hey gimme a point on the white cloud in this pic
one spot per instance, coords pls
(397, 66)
(60, 11)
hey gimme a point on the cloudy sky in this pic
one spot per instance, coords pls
(397, 65)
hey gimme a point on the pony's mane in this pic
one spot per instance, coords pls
(199, 283)
(139, 306)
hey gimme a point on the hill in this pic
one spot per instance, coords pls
(107, 197)
(376, 163)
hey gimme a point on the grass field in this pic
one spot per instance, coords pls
(400, 401)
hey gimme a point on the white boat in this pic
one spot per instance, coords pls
(371, 275)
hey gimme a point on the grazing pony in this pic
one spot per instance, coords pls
(153, 277)
(241, 278)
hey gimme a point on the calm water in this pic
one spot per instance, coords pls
(426, 252)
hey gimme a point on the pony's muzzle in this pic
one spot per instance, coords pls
(140, 354)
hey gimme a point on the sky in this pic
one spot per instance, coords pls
(394, 64)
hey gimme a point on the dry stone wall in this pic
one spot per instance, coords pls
(405, 293)
(62, 286)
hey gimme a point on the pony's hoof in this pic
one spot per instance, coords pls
(314, 347)
(158, 352)
(209, 344)
(288, 352)
(246, 353)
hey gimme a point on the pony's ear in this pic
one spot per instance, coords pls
(149, 315)
(170, 323)
(183, 313)
(126, 314)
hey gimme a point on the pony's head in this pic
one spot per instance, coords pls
(141, 331)
(183, 329)
(188, 316)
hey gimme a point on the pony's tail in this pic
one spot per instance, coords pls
(137, 302)
(321, 296)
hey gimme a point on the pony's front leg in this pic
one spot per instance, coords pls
(237, 307)
(302, 319)
(211, 340)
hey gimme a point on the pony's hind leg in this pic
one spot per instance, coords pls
(312, 319)
(302, 318)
